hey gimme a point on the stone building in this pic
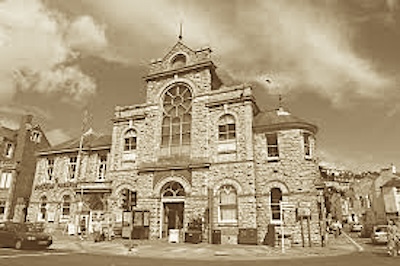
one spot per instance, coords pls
(70, 186)
(17, 167)
(199, 149)
(195, 150)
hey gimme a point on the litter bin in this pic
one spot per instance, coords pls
(216, 237)
(173, 236)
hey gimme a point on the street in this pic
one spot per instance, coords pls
(62, 259)
(371, 254)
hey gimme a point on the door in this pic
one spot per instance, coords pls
(173, 216)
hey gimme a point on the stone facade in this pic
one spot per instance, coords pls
(197, 149)
(212, 164)
(60, 198)
(17, 167)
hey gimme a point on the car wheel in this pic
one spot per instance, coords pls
(18, 244)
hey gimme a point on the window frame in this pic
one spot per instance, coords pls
(176, 124)
(227, 206)
(43, 205)
(8, 149)
(307, 145)
(72, 167)
(6, 179)
(50, 168)
(36, 136)
(102, 167)
(130, 140)
(227, 134)
(129, 145)
(66, 205)
(275, 145)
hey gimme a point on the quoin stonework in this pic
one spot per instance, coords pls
(196, 150)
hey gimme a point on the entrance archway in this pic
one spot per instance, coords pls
(173, 205)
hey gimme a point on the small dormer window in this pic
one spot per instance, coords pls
(178, 61)
(9, 150)
(36, 136)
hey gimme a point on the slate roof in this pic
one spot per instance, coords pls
(8, 133)
(279, 119)
(92, 141)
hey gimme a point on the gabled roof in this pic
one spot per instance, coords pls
(178, 47)
(8, 133)
(90, 142)
(278, 120)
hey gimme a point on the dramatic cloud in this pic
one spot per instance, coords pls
(84, 34)
(37, 49)
(300, 46)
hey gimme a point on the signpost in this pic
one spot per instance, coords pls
(285, 206)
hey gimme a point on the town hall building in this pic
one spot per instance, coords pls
(198, 150)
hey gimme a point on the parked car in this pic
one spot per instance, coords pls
(23, 235)
(356, 227)
(379, 234)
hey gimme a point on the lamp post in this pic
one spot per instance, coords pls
(320, 188)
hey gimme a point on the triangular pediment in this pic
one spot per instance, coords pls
(180, 57)
(178, 48)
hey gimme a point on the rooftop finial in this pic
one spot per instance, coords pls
(180, 31)
(280, 101)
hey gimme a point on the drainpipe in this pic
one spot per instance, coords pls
(210, 214)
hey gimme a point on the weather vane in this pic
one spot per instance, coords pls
(268, 80)
(180, 31)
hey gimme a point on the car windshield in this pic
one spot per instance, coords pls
(381, 229)
(33, 227)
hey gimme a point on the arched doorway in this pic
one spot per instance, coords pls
(173, 203)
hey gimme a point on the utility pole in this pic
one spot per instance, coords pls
(85, 122)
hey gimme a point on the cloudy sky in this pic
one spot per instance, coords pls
(335, 63)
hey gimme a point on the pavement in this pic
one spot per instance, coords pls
(202, 251)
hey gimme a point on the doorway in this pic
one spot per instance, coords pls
(173, 216)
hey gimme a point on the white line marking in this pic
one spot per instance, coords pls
(32, 255)
(360, 248)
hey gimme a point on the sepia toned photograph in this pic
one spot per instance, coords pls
(188, 132)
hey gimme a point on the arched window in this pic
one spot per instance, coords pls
(276, 198)
(130, 145)
(226, 134)
(176, 125)
(130, 140)
(66, 206)
(173, 189)
(227, 204)
(178, 61)
(43, 208)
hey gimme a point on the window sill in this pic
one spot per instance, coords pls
(308, 157)
(272, 159)
(276, 222)
(227, 152)
(228, 223)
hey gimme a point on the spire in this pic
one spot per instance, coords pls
(180, 31)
